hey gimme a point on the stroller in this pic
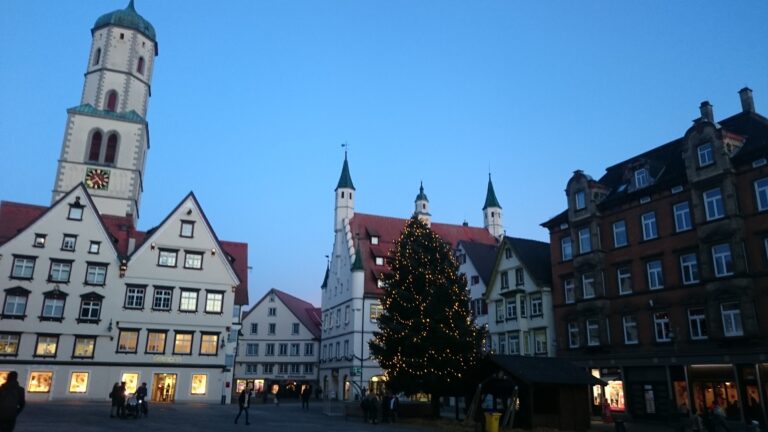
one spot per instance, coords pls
(133, 407)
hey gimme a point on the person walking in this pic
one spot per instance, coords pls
(244, 402)
(141, 396)
(114, 408)
(305, 394)
(11, 402)
(394, 405)
(373, 407)
(121, 400)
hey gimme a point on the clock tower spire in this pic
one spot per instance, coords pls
(107, 135)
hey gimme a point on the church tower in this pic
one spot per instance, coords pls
(492, 212)
(345, 205)
(107, 136)
(422, 206)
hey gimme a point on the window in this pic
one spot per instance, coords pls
(252, 350)
(593, 332)
(182, 343)
(46, 345)
(68, 242)
(94, 151)
(39, 240)
(53, 306)
(254, 328)
(511, 308)
(641, 178)
(619, 233)
(295, 349)
(188, 302)
(127, 341)
(295, 368)
(84, 347)
(566, 248)
(94, 247)
(295, 329)
(214, 302)
(75, 211)
(661, 326)
(15, 303)
(187, 229)
(270, 351)
(540, 341)
(722, 260)
(704, 152)
(731, 319)
(95, 274)
(309, 349)
(193, 260)
(379, 261)
(474, 280)
(655, 275)
(523, 304)
(337, 321)
(9, 344)
(569, 290)
(581, 200)
(23, 267)
(282, 368)
(585, 242)
(374, 240)
(134, 297)
(761, 194)
(649, 226)
(504, 280)
(514, 343)
(376, 311)
(346, 348)
(90, 307)
(156, 342)
(507, 253)
(272, 328)
(682, 213)
(537, 305)
(713, 204)
(269, 368)
(209, 344)
(697, 323)
(500, 310)
(199, 384)
(167, 258)
(587, 286)
(97, 56)
(111, 101)
(60, 271)
(140, 66)
(162, 299)
(689, 266)
(272, 311)
(519, 277)
(630, 330)
(40, 382)
(624, 279)
(573, 335)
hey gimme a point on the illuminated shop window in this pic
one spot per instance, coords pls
(199, 384)
(40, 382)
(3, 377)
(131, 381)
(78, 382)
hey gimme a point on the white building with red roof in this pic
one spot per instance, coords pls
(90, 300)
(351, 290)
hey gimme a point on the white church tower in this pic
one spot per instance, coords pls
(107, 135)
(421, 206)
(345, 204)
(492, 212)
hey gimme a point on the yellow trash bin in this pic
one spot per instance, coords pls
(492, 421)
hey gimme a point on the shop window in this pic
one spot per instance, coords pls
(131, 381)
(78, 382)
(40, 382)
(199, 384)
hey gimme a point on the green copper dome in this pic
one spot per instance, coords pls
(127, 18)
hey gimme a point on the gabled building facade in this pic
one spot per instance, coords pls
(519, 297)
(90, 300)
(476, 261)
(279, 349)
(661, 271)
(351, 290)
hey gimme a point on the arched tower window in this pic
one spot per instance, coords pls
(97, 56)
(109, 155)
(94, 152)
(112, 100)
(140, 66)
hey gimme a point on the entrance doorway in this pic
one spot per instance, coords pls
(164, 387)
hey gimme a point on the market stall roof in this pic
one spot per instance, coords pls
(543, 370)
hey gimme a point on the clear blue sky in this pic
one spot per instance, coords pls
(252, 99)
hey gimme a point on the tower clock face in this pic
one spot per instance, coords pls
(97, 178)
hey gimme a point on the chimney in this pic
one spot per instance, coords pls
(747, 103)
(706, 112)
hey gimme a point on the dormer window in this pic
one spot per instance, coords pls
(642, 179)
(581, 200)
(379, 261)
(374, 240)
(39, 240)
(75, 211)
(704, 152)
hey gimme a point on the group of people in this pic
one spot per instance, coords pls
(371, 403)
(119, 399)
(11, 402)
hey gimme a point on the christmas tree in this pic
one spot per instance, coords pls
(426, 341)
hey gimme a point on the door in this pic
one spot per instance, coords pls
(164, 387)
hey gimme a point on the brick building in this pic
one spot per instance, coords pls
(660, 270)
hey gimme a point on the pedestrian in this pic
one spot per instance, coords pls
(244, 402)
(114, 409)
(718, 416)
(121, 400)
(277, 401)
(11, 402)
(306, 392)
(364, 403)
(373, 407)
(141, 396)
(394, 405)
(697, 423)
(385, 408)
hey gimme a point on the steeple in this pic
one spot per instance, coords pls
(422, 206)
(345, 204)
(492, 212)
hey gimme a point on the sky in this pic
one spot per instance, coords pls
(252, 99)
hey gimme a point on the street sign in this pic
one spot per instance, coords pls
(356, 371)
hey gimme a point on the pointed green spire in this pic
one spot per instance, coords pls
(422, 196)
(490, 196)
(345, 181)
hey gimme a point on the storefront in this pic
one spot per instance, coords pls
(611, 394)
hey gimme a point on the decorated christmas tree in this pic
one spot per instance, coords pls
(426, 341)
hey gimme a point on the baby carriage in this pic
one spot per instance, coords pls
(133, 407)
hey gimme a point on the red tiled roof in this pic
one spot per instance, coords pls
(388, 230)
(14, 217)
(239, 253)
(308, 314)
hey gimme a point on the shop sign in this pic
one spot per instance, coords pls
(166, 359)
